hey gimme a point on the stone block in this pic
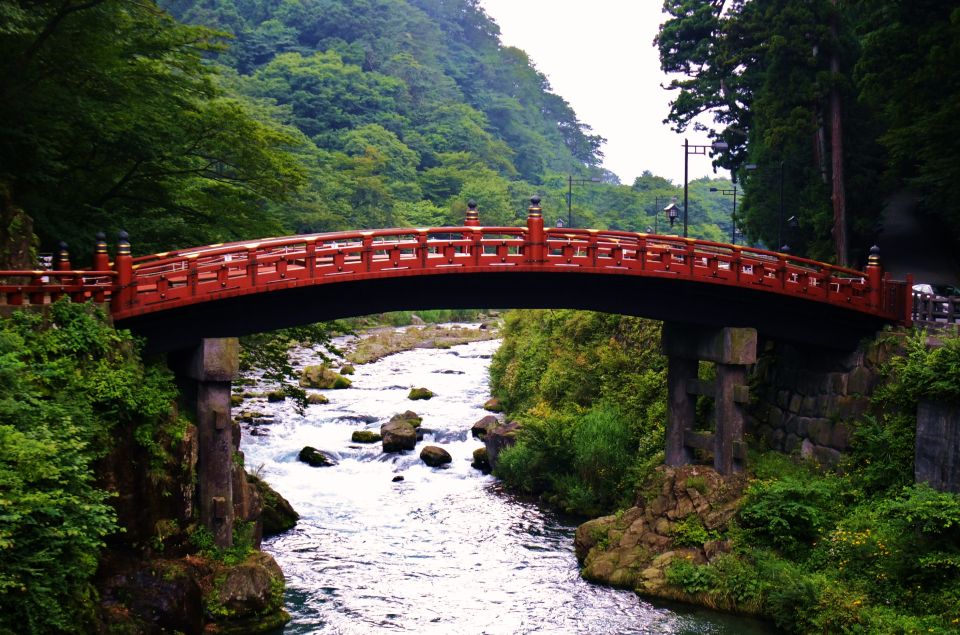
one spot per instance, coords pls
(859, 381)
(783, 398)
(827, 457)
(790, 424)
(851, 407)
(806, 449)
(938, 446)
(795, 402)
(820, 431)
(775, 418)
(725, 345)
(215, 359)
(803, 426)
(809, 406)
(831, 406)
(838, 383)
(840, 437)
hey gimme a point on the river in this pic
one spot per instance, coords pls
(443, 550)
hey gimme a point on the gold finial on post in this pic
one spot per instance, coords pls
(473, 216)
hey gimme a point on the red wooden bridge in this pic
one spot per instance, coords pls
(178, 297)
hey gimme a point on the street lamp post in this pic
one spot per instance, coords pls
(570, 183)
(689, 149)
(733, 217)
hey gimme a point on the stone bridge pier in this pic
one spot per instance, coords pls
(732, 350)
(205, 375)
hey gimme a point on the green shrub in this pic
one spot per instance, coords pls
(68, 381)
(690, 577)
(690, 532)
(791, 513)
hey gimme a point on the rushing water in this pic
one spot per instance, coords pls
(444, 550)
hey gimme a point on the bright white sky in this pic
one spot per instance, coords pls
(599, 56)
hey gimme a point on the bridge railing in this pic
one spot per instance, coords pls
(933, 310)
(177, 278)
(20, 288)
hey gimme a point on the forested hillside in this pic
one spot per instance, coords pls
(199, 121)
(836, 104)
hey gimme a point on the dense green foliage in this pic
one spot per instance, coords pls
(865, 551)
(68, 382)
(776, 74)
(263, 118)
(589, 390)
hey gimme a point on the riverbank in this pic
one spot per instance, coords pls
(859, 548)
(377, 342)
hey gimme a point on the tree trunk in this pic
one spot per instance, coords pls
(836, 142)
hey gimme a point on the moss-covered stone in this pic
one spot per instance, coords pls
(322, 377)
(347, 369)
(365, 436)
(409, 416)
(480, 461)
(420, 393)
(276, 395)
(277, 514)
(493, 405)
(317, 399)
(435, 456)
(315, 458)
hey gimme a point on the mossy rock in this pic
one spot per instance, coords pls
(435, 456)
(277, 514)
(420, 393)
(317, 399)
(409, 416)
(276, 395)
(347, 369)
(480, 460)
(493, 405)
(365, 436)
(236, 400)
(323, 378)
(315, 458)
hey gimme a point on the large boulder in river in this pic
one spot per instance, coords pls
(249, 596)
(480, 428)
(315, 458)
(435, 456)
(322, 377)
(409, 416)
(398, 436)
(480, 460)
(276, 513)
(498, 438)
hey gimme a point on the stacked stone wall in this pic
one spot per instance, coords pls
(806, 399)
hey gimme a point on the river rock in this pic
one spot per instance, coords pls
(398, 436)
(480, 428)
(317, 399)
(420, 393)
(435, 456)
(493, 405)
(315, 458)
(277, 514)
(347, 369)
(498, 438)
(248, 596)
(275, 396)
(365, 436)
(480, 461)
(396, 479)
(322, 377)
(409, 416)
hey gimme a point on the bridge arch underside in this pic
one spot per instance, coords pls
(774, 315)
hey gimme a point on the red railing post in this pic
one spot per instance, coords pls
(535, 234)
(63, 258)
(874, 278)
(366, 251)
(101, 259)
(125, 291)
(473, 216)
